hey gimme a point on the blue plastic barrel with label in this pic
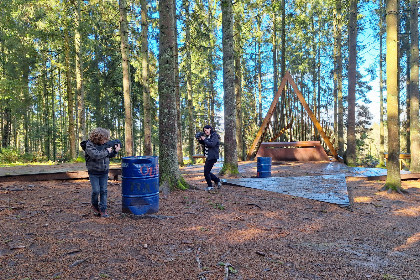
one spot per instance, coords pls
(140, 184)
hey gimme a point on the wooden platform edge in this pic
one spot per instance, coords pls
(411, 176)
(65, 175)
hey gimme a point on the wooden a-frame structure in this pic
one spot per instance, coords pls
(288, 78)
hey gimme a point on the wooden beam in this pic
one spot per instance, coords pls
(267, 118)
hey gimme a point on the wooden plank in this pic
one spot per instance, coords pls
(296, 144)
(70, 175)
(199, 156)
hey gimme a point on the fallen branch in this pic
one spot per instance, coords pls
(197, 258)
(77, 262)
(253, 204)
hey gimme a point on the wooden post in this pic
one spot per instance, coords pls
(267, 118)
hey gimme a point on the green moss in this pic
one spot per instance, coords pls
(182, 184)
(229, 169)
(174, 182)
(381, 165)
(392, 187)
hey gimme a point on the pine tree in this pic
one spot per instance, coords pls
(170, 176)
(393, 179)
(230, 165)
(351, 98)
(126, 79)
(414, 88)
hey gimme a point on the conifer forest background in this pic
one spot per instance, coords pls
(69, 66)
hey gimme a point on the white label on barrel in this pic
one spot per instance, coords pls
(139, 166)
(124, 164)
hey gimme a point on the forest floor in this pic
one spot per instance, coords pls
(47, 231)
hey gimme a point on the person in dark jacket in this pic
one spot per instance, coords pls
(210, 141)
(97, 164)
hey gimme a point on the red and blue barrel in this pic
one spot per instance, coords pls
(140, 184)
(263, 167)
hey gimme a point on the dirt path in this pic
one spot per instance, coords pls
(47, 231)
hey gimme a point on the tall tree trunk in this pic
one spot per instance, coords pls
(3, 107)
(97, 92)
(238, 86)
(393, 180)
(26, 104)
(170, 176)
(45, 109)
(188, 77)
(70, 97)
(7, 124)
(283, 64)
(180, 153)
(212, 73)
(230, 165)
(147, 111)
(406, 47)
(338, 74)
(381, 89)
(318, 66)
(351, 117)
(283, 38)
(79, 76)
(259, 76)
(414, 88)
(314, 78)
(126, 79)
(54, 117)
(275, 74)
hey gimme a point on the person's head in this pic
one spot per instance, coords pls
(208, 129)
(99, 136)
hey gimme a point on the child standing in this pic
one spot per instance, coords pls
(97, 163)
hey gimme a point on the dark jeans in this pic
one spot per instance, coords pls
(207, 172)
(99, 188)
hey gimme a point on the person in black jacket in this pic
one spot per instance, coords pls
(210, 141)
(97, 164)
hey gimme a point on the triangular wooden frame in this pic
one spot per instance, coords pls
(288, 78)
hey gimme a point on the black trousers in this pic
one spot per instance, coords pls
(207, 172)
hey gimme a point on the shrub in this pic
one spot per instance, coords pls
(9, 155)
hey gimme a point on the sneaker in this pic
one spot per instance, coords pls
(219, 185)
(104, 214)
(96, 210)
(211, 190)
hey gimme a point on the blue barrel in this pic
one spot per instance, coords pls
(140, 184)
(263, 167)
